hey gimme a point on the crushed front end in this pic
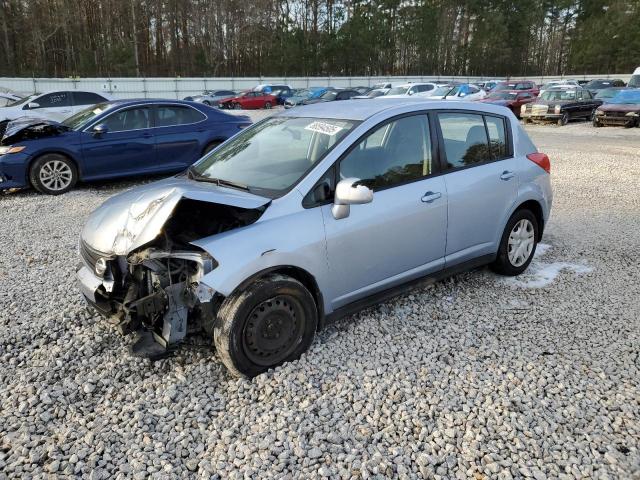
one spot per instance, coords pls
(155, 287)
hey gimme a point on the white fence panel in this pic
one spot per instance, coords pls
(178, 88)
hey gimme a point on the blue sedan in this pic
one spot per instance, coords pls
(110, 140)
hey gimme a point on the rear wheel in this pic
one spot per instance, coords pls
(237, 106)
(518, 244)
(207, 102)
(53, 174)
(271, 321)
(267, 105)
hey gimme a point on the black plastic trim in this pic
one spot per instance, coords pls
(403, 288)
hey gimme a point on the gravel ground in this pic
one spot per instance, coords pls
(475, 377)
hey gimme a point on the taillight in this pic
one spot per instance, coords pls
(542, 160)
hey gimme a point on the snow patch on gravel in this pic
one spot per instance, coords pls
(541, 274)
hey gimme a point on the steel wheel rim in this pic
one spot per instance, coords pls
(273, 330)
(521, 242)
(55, 175)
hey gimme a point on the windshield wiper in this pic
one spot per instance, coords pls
(191, 173)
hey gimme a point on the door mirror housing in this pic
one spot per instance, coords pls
(32, 105)
(349, 192)
(100, 129)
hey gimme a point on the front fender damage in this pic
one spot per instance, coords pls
(155, 287)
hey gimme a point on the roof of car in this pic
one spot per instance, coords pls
(360, 110)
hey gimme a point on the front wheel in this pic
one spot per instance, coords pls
(271, 321)
(596, 123)
(237, 106)
(267, 105)
(517, 245)
(53, 174)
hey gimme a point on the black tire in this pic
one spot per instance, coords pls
(250, 323)
(502, 264)
(267, 105)
(564, 119)
(67, 174)
(596, 123)
(210, 147)
(237, 106)
(207, 103)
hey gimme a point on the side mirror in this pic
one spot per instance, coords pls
(32, 105)
(462, 94)
(410, 92)
(100, 129)
(348, 193)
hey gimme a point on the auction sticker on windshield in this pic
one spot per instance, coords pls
(323, 127)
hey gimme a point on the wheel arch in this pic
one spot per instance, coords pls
(535, 208)
(297, 273)
(41, 154)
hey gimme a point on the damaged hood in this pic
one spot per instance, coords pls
(134, 218)
(26, 128)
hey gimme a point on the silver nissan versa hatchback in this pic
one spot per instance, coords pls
(311, 214)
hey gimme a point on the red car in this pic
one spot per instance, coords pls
(512, 99)
(519, 85)
(250, 99)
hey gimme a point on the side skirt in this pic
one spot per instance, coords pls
(403, 288)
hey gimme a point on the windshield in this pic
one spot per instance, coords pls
(506, 86)
(627, 96)
(77, 121)
(441, 91)
(273, 155)
(502, 96)
(23, 100)
(559, 95)
(598, 84)
(398, 91)
(331, 95)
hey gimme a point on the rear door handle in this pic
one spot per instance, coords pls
(431, 196)
(507, 175)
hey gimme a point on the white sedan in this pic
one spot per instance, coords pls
(56, 105)
(409, 89)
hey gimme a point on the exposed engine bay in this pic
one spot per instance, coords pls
(156, 288)
(27, 128)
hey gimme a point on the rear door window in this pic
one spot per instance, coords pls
(465, 139)
(171, 115)
(87, 98)
(497, 137)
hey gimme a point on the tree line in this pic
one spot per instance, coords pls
(61, 38)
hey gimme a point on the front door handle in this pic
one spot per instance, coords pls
(431, 196)
(507, 175)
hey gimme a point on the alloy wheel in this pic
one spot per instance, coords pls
(521, 242)
(55, 175)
